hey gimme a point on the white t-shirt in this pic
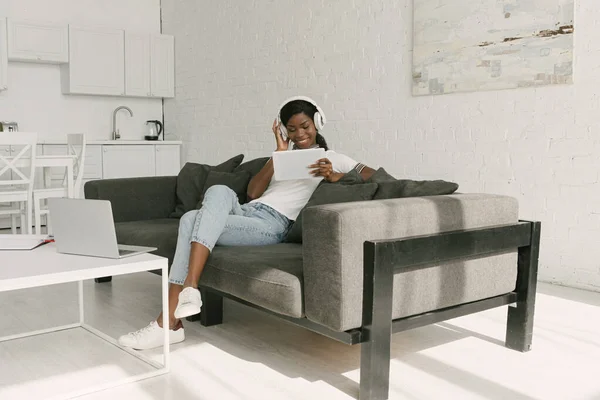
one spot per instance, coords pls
(289, 197)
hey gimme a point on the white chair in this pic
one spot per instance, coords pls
(76, 144)
(17, 174)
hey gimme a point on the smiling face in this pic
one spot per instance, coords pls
(302, 131)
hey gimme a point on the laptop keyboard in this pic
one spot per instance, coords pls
(123, 252)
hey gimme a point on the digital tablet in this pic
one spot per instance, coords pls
(289, 165)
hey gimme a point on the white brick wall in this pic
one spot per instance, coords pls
(236, 61)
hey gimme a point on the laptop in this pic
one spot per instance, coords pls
(86, 227)
(292, 165)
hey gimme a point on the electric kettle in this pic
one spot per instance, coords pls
(155, 128)
(9, 126)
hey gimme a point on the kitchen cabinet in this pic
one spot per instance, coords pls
(130, 161)
(118, 63)
(137, 65)
(3, 56)
(167, 160)
(37, 42)
(162, 51)
(96, 62)
(149, 65)
(112, 159)
(127, 161)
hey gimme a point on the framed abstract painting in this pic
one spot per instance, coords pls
(476, 45)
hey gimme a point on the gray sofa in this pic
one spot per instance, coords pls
(364, 269)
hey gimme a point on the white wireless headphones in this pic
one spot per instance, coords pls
(319, 117)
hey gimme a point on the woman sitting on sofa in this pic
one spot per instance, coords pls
(265, 220)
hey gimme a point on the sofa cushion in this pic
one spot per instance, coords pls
(347, 189)
(268, 276)
(392, 188)
(160, 233)
(191, 181)
(236, 181)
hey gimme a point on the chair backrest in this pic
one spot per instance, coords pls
(76, 144)
(18, 168)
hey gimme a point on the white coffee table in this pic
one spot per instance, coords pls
(44, 266)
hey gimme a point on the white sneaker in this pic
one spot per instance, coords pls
(189, 303)
(150, 337)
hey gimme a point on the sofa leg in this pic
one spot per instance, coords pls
(103, 280)
(519, 329)
(375, 352)
(193, 318)
(212, 308)
(375, 357)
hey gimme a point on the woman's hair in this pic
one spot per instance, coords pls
(298, 107)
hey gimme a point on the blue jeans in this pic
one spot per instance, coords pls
(223, 221)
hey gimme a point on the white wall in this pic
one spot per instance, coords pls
(34, 97)
(236, 61)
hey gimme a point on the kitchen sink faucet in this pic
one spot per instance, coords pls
(115, 132)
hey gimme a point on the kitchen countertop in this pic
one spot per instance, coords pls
(115, 142)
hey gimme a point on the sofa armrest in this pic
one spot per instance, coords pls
(333, 238)
(136, 199)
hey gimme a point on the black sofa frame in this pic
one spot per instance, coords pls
(384, 258)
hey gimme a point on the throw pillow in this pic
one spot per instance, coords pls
(236, 181)
(191, 180)
(381, 175)
(329, 193)
(392, 188)
(253, 166)
(349, 178)
(410, 188)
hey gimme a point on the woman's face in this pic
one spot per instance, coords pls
(302, 131)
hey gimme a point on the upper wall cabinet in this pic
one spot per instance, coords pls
(149, 65)
(96, 62)
(38, 42)
(137, 65)
(162, 52)
(3, 55)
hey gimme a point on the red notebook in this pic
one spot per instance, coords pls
(23, 242)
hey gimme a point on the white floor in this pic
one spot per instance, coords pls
(255, 356)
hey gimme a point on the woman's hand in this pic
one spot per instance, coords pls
(324, 168)
(282, 145)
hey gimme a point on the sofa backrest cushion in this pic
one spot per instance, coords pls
(191, 181)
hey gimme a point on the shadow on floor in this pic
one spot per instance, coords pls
(294, 352)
